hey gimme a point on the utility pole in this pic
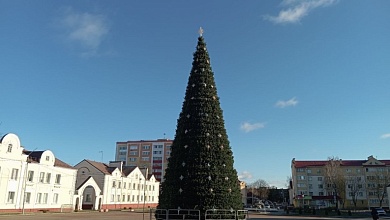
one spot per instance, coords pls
(25, 181)
(143, 208)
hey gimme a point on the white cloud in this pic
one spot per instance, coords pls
(85, 29)
(295, 10)
(248, 127)
(384, 136)
(283, 104)
(244, 176)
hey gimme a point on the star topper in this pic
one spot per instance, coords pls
(200, 31)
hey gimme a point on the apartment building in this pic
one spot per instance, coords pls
(151, 154)
(33, 180)
(364, 180)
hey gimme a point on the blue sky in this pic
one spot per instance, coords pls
(296, 79)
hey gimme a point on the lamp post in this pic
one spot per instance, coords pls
(25, 181)
(143, 208)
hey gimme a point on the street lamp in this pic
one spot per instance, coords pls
(25, 181)
(143, 208)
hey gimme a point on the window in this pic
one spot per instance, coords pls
(48, 177)
(308, 170)
(301, 177)
(113, 184)
(27, 197)
(145, 152)
(128, 198)
(47, 158)
(88, 198)
(133, 147)
(39, 198)
(133, 153)
(157, 146)
(124, 185)
(357, 170)
(14, 174)
(320, 193)
(157, 152)
(30, 175)
(146, 147)
(132, 198)
(320, 186)
(310, 186)
(119, 185)
(11, 197)
(320, 178)
(58, 178)
(301, 185)
(310, 178)
(9, 150)
(45, 196)
(348, 170)
(41, 177)
(122, 153)
(145, 158)
(55, 198)
(157, 158)
(123, 148)
(133, 159)
(124, 198)
(300, 170)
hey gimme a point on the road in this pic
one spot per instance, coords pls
(122, 215)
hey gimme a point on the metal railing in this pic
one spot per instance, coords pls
(194, 214)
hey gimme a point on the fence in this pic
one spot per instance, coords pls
(193, 214)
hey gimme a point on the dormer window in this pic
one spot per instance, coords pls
(9, 150)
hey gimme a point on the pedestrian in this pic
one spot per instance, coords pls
(374, 214)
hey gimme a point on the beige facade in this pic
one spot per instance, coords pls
(365, 181)
(151, 154)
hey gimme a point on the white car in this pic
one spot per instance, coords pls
(380, 211)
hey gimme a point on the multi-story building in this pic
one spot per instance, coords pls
(364, 181)
(33, 180)
(151, 154)
(114, 186)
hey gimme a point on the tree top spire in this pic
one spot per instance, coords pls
(200, 31)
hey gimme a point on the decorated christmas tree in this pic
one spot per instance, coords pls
(200, 173)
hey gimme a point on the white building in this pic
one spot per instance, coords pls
(114, 186)
(33, 180)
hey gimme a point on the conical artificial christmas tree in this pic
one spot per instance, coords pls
(200, 173)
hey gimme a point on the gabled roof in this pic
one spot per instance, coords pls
(126, 170)
(102, 167)
(60, 163)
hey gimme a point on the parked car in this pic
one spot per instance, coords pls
(380, 211)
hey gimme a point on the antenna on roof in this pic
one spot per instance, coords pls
(102, 156)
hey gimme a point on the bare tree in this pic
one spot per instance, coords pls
(288, 182)
(260, 188)
(335, 179)
(379, 180)
(355, 186)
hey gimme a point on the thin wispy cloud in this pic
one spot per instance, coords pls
(86, 30)
(283, 104)
(384, 136)
(244, 175)
(248, 127)
(294, 10)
